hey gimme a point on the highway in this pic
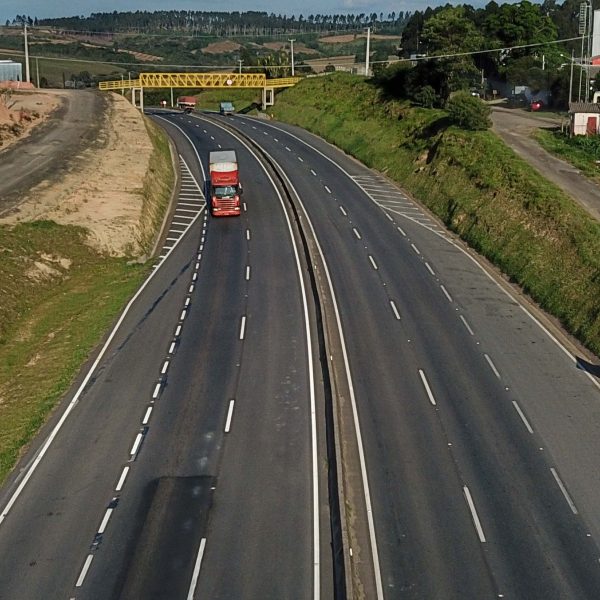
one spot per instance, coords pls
(192, 461)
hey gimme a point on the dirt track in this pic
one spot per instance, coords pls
(515, 126)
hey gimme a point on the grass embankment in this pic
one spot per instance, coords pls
(494, 200)
(58, 297)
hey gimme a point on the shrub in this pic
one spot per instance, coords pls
(426, 97)
(468, 112)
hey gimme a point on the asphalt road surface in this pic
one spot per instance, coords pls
(193, 463)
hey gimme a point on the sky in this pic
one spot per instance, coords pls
(65, 8)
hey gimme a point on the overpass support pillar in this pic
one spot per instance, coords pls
(268, 97)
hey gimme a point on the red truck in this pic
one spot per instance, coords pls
(186, 103)
(224, 187)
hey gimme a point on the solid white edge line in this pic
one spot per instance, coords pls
(466, 325)
(492, 365)
(523, 418)
(563, 489)
(373, 263)
(104, 523)
(73, 402)
(84, 570)
(393, 305)
(427, 388)
(474, 514)
(196, 572)
(121, 481)
(147, 416)
(446, 293)
(229, 416)
(243, 327)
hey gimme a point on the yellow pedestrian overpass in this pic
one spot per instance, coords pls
(202, 80)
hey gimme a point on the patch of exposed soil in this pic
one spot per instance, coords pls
(221, 47)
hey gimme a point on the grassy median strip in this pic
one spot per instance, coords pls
(481, 189)
(58, 299)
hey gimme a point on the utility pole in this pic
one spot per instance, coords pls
(27, 78)
(292, 51)
(37, 72)
(368, 51)
(571, 80)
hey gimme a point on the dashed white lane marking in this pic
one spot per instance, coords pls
(156, 391)
(136, 444)
(245, 207)
(265, 133)
(343, 211)
(446, 293)
(474, 514)
(275, 140)
(121, 481)
(147, 416)
(287, 149)
(401, 231)
(466, 325)
(229, 416)
(104, 523)
(373, 262)
(247, 234)
(563, 489)
(356, 233)
(389, 217)
(430, 269)
(84, 570)
(243, 328)
(219, 145)
(191, 288)
(178, 330)
(415, 248)
(327, 190)
(197, 565)
(212, 137)
(523, 417)
(172, 347)
(427, 388)
(492, 366)
(313, 172)
(396, 313)
(204, 130)
(183, 315)
(300, 159)
(248, 273)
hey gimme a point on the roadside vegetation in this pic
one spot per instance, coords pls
(58, 298)
(481, 190)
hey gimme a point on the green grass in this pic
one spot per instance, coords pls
(481, 189)
(58, 298)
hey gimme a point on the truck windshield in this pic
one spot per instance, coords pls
(225, 191)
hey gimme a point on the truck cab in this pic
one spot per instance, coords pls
(224, 187)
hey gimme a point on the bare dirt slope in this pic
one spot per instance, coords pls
(96, 183)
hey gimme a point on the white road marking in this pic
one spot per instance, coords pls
(121, 481)
(389, 217)
(523, 418)
(563, 489)
(172, 348)
(312, 171)
(147, 416)
(415, 248)
(229, 415)
(165, 367)
(300, 159)
(212, 137)
(287, 149)
(429, 268)
(197, 564)
(401, 231)
(247, 234)
(136, 443)
(466, 325)
(446, 293)
(327, 190)
(427, 388)
(248, 273)
(396, 313)
(356, 233)
(373, 262)
(474, 514)
(191, 288)
(492, 366)
(243, 328)
(156, 391)
(178, 331)
(104, 523)
(343, 211)
(86, 566)
(245, 207)
(265, 133)
(275, 140)
(183, 315)
(187, 301)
